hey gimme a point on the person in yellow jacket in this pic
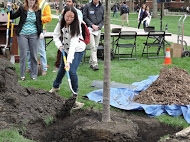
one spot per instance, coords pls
(46, 18)
(46, 12)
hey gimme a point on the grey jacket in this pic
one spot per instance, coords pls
(93, 15)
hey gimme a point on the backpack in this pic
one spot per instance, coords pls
(125, 9)
(100, 52)
(85, 34)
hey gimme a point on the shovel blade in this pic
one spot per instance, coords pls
(12, 60)
(3, 51)
(7, 54)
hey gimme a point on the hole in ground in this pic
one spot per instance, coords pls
(86, 125)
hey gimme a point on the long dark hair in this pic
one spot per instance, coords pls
(74, 26)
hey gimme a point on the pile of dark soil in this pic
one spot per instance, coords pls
(171, 87)
(45, 117)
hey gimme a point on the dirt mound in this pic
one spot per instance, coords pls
(45, 117)
(19, 105)
(171, 87)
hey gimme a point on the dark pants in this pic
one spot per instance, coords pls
(72, 72)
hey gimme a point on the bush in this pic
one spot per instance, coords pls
(172, 9)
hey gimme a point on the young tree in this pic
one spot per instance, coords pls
(106, 87)
(131, 5)
(155, 9)
(186, 3)
(60, 6)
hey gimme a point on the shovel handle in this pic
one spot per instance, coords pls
(8, 20)
(67, 72)
(64, 59)
(8, 15)
(12, 27)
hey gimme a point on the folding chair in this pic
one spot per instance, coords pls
(126, 45)
(154, 39)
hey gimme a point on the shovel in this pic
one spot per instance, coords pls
(12, 59)
(5, 50)
(67, 72)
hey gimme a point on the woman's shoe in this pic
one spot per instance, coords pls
(28, 70)
(77, 105)
(55, 69)
(54, 90)
(22, 78)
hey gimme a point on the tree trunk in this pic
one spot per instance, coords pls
(106, 87)
(186, 3)
(155, 9)
(60, 6)
(131, 5)
(162, 9)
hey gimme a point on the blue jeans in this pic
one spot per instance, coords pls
(144, 24)
(115, 13)
(42, 52)
(72, 72)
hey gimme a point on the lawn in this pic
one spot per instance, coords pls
(171, 21)
(122, 71)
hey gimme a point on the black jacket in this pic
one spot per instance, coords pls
(93, 15)
(23, 15)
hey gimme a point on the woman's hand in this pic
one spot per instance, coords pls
(95, 27)
(9, 4)
(67, 66)
(61, 48)
(41, 36)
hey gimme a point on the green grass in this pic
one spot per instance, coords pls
(122, 71)
(12, 135)
(49, 120)
(172, 22)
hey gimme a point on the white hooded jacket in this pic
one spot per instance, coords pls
(71, 45)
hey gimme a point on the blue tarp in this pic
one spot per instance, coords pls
(122, 98)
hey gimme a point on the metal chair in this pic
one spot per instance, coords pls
(154, 39)
(126, 45)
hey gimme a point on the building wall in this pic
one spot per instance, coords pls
(172, 4)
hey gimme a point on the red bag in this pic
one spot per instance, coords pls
(85, 34)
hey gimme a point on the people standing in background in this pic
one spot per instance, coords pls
(57, 8)
(124, 12)
(71, 3)
(46, 18)
(182, 9)
(93, 13)
(115, 10)
(137, 8)
(81, 8)
(140, 15)
(187, 9)
(28, 31)
(69, 28)
(146, 17)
